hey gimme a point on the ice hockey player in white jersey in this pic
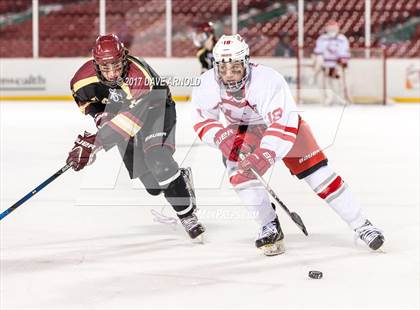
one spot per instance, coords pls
(263, 123)
(332, 54)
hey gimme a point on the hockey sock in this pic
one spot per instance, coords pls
(179, 197)
(333, 190)
(258, 203)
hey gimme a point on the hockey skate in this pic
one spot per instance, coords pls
(270, 239)
(371, 235)
(187, 174)
(192, 226)
(190, 222)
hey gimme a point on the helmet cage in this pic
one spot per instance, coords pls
(109, 50)
(120, 80)
(232, 86)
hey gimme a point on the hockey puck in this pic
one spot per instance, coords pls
(314, 274)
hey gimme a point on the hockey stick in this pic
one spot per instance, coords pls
(346, 90)
(34, 191)
(293, 215)
(324, 87)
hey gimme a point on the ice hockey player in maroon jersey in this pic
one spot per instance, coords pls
(134, 111)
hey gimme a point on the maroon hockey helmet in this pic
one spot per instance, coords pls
(109, 49)
(206, 27)
(202, 31)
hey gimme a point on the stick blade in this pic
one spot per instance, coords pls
(296, 218)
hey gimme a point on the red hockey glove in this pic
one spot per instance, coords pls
(83, 152)
(260, 161)
(101, 118)
(230, 143)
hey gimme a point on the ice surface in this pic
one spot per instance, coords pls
(88, 240)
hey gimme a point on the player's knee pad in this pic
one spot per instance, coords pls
(150, 183)
(154, 191)
(162, 165)
(133, 158)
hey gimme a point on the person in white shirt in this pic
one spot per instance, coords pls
(332, 53)
(263, 123)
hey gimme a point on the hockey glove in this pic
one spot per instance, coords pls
(83, 152)
(259, 161)
(230, 143)
(101, 118)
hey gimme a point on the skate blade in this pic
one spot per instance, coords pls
(381, 250)
(199, 239)
(273, 249)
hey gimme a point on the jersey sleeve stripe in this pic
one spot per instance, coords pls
(84, 82)
(84, 106)
(204, 130)
(279, 135)
(200, 51)
(285, 128)
(126, 124)
(198, 126)
(118, 129)
(132, 118)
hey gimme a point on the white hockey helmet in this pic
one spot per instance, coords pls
(231, 48)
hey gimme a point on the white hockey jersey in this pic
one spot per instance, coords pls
(267, 100)
(332, 49)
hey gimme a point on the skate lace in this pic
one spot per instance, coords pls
(268, 230)
(189, 221)
(162, 218)
(367, 233)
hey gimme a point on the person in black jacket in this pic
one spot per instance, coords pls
(133, 110)
(204, 39)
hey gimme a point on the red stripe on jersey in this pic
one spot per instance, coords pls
(285, 128)
(133, 118)
(331, 188)
(280, 135)
(198, 125)
(207, 128)
(118, 129)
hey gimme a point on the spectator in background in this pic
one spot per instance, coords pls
(204, 39)
(331, 56)
(124, 31)
(284, 48)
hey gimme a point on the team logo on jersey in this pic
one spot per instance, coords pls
(115, 95)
